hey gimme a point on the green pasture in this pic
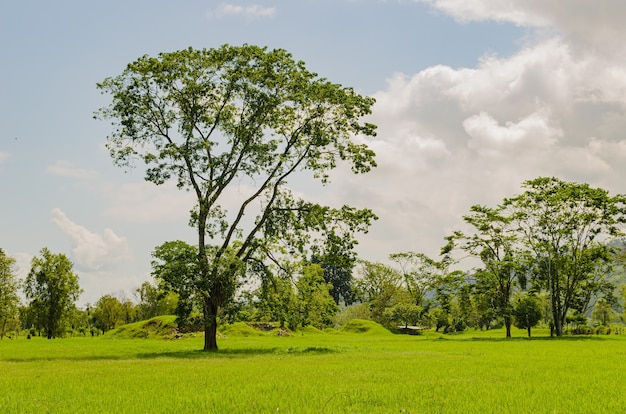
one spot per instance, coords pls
(316, 372)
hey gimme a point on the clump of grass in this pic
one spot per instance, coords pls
(363, 326)
(239, 329)
(157, 327)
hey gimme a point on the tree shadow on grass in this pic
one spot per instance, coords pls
(238, 352)
(184, 354)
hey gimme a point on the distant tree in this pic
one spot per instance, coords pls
(338, 259)
(107, 313)
(381, 287)
(527, 312)
(494, 240)
(9, 301)
(405, 314)
(316, 307)
(419, 273)
(176, 267)
(602, 312)
(565, 226)
(52, 288)
(245, 118)
(154, 301)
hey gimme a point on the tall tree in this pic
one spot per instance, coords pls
(52, 287)
(565, 226)
(243, 118)
(493, 239)
(9, 300)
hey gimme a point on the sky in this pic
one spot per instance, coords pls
(473, 97)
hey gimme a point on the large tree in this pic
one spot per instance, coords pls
(9, 300)
(231, 125)
(566, 227)
(52, 287)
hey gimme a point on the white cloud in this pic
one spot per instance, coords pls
(593, 25)
(253, 11)
(66, 169)
(449, 138)
(90, 250)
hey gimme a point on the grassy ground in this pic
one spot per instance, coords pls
(343, 372)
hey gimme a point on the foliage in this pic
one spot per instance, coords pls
(419, 273)
(52, 288)
(316, 306)
(527, 312)
(246, 117)
(177, 269)
(404, 314)
(602, 312)
(9, 300)
(338, 260)
(381, 287)
(107, 313)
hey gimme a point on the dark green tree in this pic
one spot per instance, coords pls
(527, 312)
(52, 288)
(237, 117)
(338, 259)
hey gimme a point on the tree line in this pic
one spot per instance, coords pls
(553, 255)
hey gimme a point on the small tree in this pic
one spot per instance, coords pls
(602, 312)
(405, 314)
(527, 312)
(52, 287)
(108, 313)
(9, 300)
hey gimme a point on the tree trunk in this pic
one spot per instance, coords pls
(210, 325)
(528, 331)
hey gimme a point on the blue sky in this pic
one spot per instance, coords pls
(473, 97)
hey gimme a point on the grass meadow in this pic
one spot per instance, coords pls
(316, 372)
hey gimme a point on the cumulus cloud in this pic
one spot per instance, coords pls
(66, 169)
(593, 25)
(253, 11)
(449, 138)
(90, 250)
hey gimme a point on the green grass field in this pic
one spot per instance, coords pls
(340, 372)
